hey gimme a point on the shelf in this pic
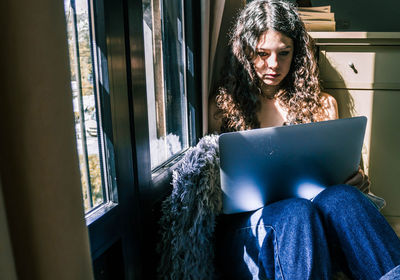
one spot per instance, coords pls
(355, 35)
(356, 38)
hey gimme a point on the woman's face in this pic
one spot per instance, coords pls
(274, 53)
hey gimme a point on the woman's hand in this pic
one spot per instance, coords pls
(359, 180)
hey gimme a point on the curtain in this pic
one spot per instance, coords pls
(38, 161)
(217, 17)
(7, 266)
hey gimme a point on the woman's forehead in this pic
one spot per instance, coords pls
(272, 39)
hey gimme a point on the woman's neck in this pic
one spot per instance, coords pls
(269, 91)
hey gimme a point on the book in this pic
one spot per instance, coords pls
(320, 9)
(320, 25)
(318, 18)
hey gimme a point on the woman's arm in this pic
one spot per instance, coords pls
(359, 180)
(329, 106)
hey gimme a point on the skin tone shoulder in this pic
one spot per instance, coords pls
(271, 113)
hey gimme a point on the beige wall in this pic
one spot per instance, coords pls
(38, 161)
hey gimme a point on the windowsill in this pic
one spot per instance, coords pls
(168, 165)
(98, 212)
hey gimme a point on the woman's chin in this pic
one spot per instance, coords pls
(274, 82)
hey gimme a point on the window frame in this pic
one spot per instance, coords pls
(117, 221)
(129, 219)
(155, 186)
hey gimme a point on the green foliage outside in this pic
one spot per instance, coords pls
(85, 78)
(95, 180)
(85, 58)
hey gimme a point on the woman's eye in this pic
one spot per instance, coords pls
(284, 53)
(262, 54)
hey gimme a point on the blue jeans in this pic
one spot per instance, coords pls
(340, 230)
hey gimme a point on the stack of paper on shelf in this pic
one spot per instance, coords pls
(318, 18)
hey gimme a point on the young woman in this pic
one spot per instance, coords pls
(272, 80)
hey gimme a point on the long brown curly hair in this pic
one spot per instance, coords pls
(238, 99)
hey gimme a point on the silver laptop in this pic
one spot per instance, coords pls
(261, 166)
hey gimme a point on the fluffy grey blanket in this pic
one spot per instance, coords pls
(188, 215)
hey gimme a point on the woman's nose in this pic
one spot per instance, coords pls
(272, 61)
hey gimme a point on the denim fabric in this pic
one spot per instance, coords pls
(340, 230)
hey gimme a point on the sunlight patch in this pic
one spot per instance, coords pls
(257, 227)
(251, 265)
(249, 197)
(308, 189)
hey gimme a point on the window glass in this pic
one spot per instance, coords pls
(85, 104)
(163, 28)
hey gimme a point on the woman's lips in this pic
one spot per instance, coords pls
(271, 76)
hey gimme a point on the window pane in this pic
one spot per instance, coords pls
(165, 78)
(84, 102)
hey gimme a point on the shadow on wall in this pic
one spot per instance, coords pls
(345, 100)
(333, 83)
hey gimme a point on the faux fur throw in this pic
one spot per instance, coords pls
(188, 215)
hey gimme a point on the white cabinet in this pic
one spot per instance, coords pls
(362, 71)
(362, 67)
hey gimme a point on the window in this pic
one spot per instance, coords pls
(86, 81)
(125, 128)
(168, 59)
(170, 91)
(99, 46)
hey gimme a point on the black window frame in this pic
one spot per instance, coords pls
(127, 227)
(157, 184)
(115, 228)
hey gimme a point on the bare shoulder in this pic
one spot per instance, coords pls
(214, 119)
(329, 105)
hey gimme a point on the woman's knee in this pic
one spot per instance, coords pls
(291, 210)
(339, 193)
(298, 219)
(339, 198)
(299, 207)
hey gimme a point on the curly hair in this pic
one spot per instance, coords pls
(299, 93)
